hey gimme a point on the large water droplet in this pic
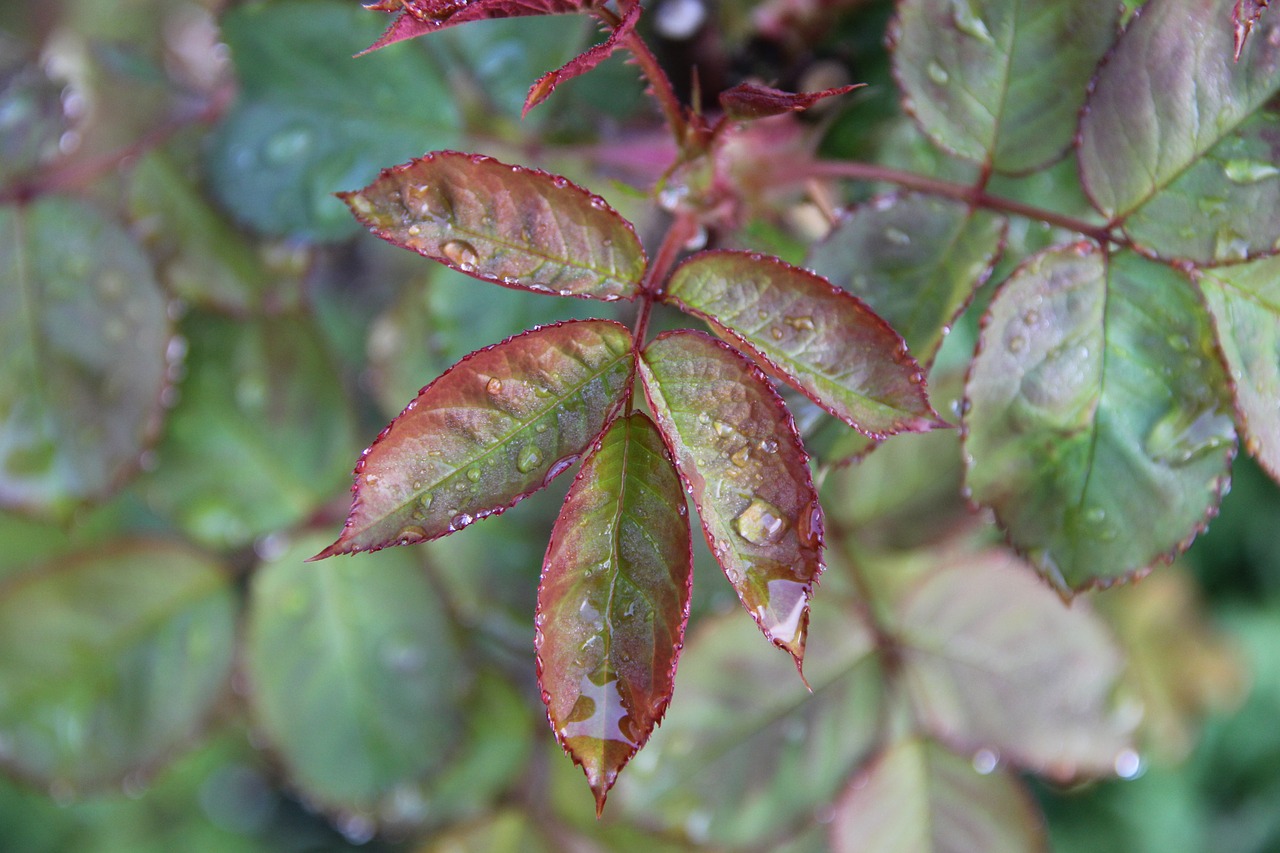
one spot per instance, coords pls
(801, 324)
(462, 254)
(1230, 245)
(1249, 171)
(559, 467)
(937, 73)
(741, 457)
(968, 22)
(1182, 435)
(761, 523)
(528, 459)
(473, 473)
(723, 429)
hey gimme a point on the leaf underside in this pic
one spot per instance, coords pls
(509, 225)
(613, 601)
(747, 101)
(497, 426)
(739, 456)
(819, 338)
(1098, 428)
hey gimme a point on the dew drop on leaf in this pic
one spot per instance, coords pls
(801, 324)
(723, 429)
(968, 22)
(286, 145)
(937, 73)
(1017, 344)
(897, 236)
(741, 457)
(473, 473)
(461, 253)
(528, 459)
(559, 467)
(1229, 245)
(1181, 435)
(704, 418)
(776, 333)
(1249, 171)
(494, 386)
(761, 523)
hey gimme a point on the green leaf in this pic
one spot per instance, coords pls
(914, 260)
(497, 426)
(1225, 207)
(245, 452)
(509, 225)
(84, 330)
(110, 661)
(613, 601)
(824, 342)
(738, 453)
(1166, 96)
(31, 115)
(311, 120)
(1000, 81)
(353, 676)
(917, 797)
(994, 662)
(746, 753)
(1244, 301)
(1099, 429)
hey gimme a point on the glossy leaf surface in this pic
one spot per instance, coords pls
(109, 662)
(353, 676)
(420, 17)
(751, 100)
(1099, 430)
(310, 120)
(243, 453)
(739, 455)
(613, 601)
(85, 334)
(1168, 94)
(583, 62)
(498, 425)
(918, 797)
(994, 661)
(1244, 301)
(505, 224)
(1000, 81)
(914, 260)
(823, 341)
(746, 752)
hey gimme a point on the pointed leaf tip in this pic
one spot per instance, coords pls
(582, 63)
(748, 101)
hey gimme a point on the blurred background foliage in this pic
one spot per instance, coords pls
(217, 346)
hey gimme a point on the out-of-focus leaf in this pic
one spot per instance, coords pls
(109, 662)
(1244, 302)
(823, 341)
(745, 752)
(1099, 427)
(505, 832)
(420, 17)
(202, 259)
(613, 601)
(85, 335)
(915, 260)
(245, 452)
(505, 224)
(739, 455)
(1243, 17)
(583, 62)
(918, 797)
(353, 675)
(751, 100)
(497, 426)
(995, 662)
(1168, 94)
(31, 114)
(1224, 207)
(311, 120)
(1000, 81)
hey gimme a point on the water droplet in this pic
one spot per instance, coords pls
(1095, 515)
(410, 533)
(286, 145)
(424, 505)
(1178, 343)
(1249, 171)
(776, 333)
(801, 324)
(559, 467)
(985, 761)
(462, 254)
(1184, 434)
(768, 445)
(460, 521)
(897, 236)
(1017, 344)
(1209, 206)
(722, 429)
(810, 525)
(761, 523)
(741, 457)
(968, 22)
(528, 459)
(1128, 764)
(494, 385)
(704, 418)
(473, 473)
(598, 203)
(1230, 245)
(937, 73)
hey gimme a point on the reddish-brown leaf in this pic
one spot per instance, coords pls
(497, 426)
(740, 457)
(822, 340)
(509, 225)
(583, 62)
(419, 17)
(1243, 16)
(749, 100)
(614, 600)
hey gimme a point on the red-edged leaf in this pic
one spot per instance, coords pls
(614, 601)
(583, 62)
(420, 17)
(518, 227)
(749, 101)
(822, 340)
(740, 457)
(1243, 16)
(497, 426)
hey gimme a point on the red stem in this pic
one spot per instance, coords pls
(659, 83)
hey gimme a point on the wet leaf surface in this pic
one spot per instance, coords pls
(914, 260)
(1099, 429)
(740, 458)
(497, 426)
(917, 797)
(826, 343)
(110, 661)
(1000, 81)
(353, 676)
(1244, 301)
(506, 224)
(85, 333)
(1168, 93)
(613, 601)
